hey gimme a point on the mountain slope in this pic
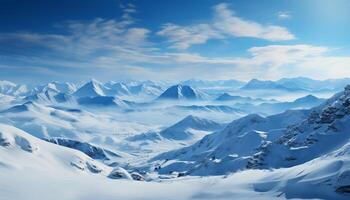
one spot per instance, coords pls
(186, 128)
(324, 131)
(229, 149)
(20, 149)
(50, 96)
(92, 151)
(283, 140)
(117, 89)
(57, 86)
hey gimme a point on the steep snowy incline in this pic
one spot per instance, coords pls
(325, 130)
(283, 140)
(229, 149)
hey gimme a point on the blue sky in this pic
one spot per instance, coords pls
(174, 40)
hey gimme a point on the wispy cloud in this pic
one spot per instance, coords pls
(120, 48)
(182, 37)
(284, 15)
(228, 23)
(83, 41)
(267, 62)
(224, 24)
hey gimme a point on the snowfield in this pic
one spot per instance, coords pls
(194, 140)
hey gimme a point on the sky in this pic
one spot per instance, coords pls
(67, 40)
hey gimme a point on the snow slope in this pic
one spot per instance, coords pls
(228, 150)
(322, 178)
(325, 130)
(20, 151)
(187, 128)
(284, 140)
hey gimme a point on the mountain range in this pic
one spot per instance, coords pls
(181, 136)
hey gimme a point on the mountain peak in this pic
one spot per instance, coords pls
(179, 91)
(306, 99)
(92, 88)
(180, 130)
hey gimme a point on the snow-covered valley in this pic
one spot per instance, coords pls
(188, 140)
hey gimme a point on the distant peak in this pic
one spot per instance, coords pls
(180, 91)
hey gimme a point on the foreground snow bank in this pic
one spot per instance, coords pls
(55, 172)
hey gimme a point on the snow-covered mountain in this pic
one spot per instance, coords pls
(117, 88)
(284, 140)
(135, 88)
(146, 88)
(325, 130)
(308, 150)
(314, 85)
(50, 96)
(298, 84)
(305, 102)
(92, 88)
(228, 97)
(181, 92)
(187, 128)
(67, 88)
(256, 84)
(231, 146)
